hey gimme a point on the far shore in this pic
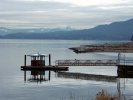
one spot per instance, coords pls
(107, 47)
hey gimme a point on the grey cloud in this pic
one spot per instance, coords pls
(32, 5)
(60, 14)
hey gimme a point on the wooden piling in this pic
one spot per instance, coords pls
(24, 60)
(119, 55)
(49, 60)
(49, 74)
(25, 65)
(25, 76)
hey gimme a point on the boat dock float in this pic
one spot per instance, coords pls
(38, 66)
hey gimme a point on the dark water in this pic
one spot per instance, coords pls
(13, 87)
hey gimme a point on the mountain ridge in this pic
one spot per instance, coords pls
(122, 30)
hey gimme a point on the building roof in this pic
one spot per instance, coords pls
(37, 55)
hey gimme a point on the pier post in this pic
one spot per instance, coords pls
(40, 78)
(49, 74)
(24, 60)
(49, 65)
(25, 70)
(119, 55)
(49, 60)
(25, 75)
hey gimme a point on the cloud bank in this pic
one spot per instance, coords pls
(78, 14)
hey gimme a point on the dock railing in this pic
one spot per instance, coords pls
(77, 62)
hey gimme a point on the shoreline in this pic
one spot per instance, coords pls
(107, 47)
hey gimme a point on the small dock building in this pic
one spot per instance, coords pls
(38, 66)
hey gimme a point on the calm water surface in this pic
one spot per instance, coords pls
(12, 86)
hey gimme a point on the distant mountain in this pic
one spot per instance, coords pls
(115, 31)
(6, 31)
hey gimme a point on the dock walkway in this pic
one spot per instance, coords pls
(86, 62)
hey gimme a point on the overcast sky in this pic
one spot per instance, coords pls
(78, 14)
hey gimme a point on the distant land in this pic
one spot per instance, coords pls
(115, 31)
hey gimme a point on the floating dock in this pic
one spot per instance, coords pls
(44, 68)
(38, 67)
(125, 71)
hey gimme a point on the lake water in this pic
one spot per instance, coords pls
(13, 87)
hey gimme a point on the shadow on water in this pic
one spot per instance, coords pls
(87, 76)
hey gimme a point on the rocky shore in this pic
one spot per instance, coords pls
(107, 47)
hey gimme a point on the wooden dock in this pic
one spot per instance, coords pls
(38, 67)
(121, 47)
(86, 62)
(44, 68)
(87, 76)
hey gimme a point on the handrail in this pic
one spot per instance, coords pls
(77, 62)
